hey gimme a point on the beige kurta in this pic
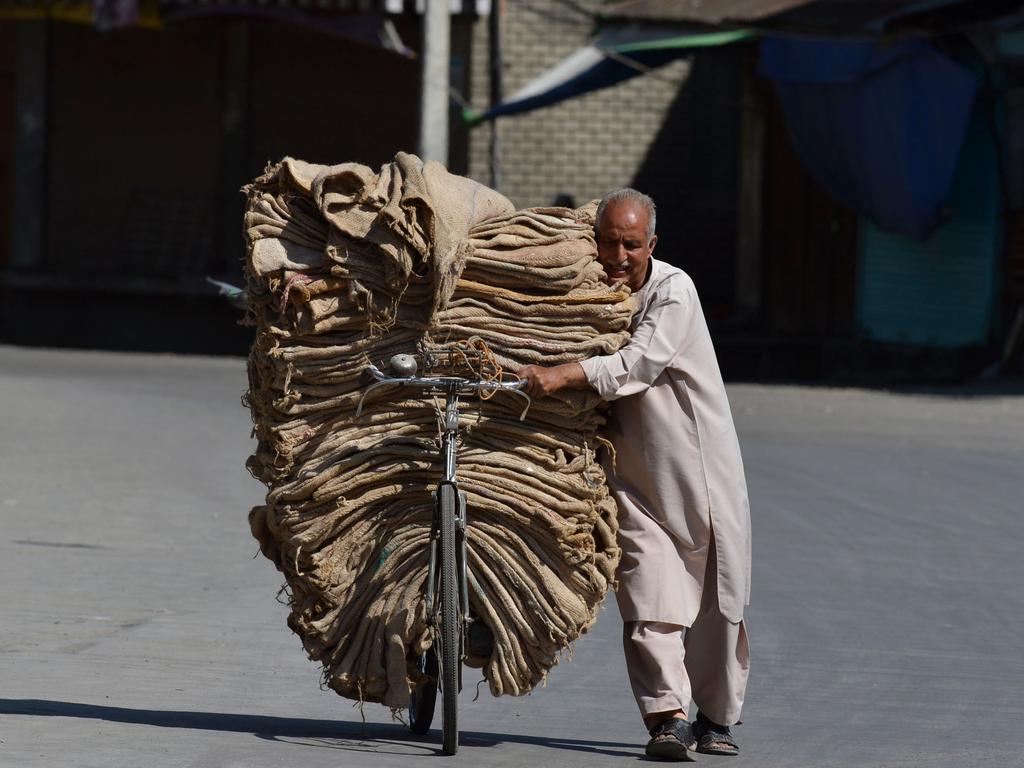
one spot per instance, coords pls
(678, 471)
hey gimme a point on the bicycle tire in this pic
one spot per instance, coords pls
(451, 625)
(423, 700)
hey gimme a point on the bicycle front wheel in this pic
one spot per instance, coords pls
(451, 624)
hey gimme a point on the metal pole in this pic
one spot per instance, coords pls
(494, 29)
(435, 82)
(234, 160)
(751, 181)
(29, 171)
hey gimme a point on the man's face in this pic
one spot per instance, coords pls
(622, 244)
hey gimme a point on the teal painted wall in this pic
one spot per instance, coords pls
(942, 292)
(1010, 43)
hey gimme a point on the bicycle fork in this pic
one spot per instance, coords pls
(449, 456)
(461, 522)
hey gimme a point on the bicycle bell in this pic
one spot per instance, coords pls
(403, 365)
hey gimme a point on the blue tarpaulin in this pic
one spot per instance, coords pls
(879, 125)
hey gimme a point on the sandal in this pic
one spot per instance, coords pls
(712, 738)
(671, 740)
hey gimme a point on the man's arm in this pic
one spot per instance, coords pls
(655, 342)
(541, 380)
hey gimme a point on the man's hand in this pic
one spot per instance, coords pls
(541, 380)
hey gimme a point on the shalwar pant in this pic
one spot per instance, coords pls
(709, 661)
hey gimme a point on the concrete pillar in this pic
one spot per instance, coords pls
(435, 83)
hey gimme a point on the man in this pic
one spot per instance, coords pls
(684, 522)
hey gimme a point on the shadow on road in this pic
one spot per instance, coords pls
(383, 738)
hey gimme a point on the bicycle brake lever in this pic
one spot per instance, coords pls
(368, 390)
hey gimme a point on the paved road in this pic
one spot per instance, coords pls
(139, 629)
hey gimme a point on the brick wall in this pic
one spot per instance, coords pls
(582, 147)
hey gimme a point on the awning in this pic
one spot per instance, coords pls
(363, 21)
(610, 59)
(707, 12)
(816, 18)
(641, 35)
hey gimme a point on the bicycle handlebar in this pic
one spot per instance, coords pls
(455, 384)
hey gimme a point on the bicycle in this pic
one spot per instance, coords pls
(448, 607)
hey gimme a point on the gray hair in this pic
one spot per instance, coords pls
(628, 194)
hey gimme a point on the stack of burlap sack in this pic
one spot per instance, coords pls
(347, 267)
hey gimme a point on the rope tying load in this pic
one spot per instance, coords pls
(347, 267)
